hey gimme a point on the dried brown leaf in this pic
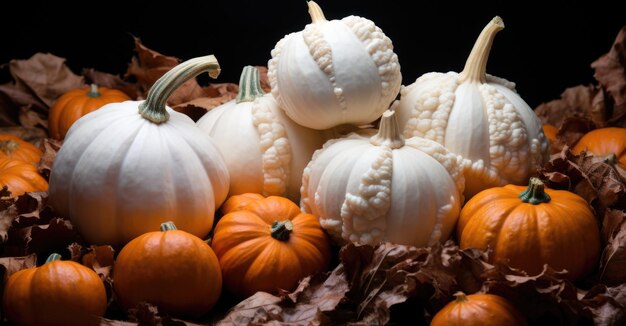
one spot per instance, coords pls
(144, 314)
(198, 107)
(574, 102)
(148, 66)
(100, 259)
(607, 305)
(613, 262)
(31, 135)
(111, 322)
(10, 265)
(32, 208)
(111, 81)
(45, 75)
(8, 213)
(610, 72)
(50, 149)
(572, 130)
(12, 98)
(52, 237)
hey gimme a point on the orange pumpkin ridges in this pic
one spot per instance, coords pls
(479, 310)
(237, 202)
(78, 102)
(529, 227)
(21, 177)
(608, 142)
(172, 269)
(269, 244)
(56, 293)
(12, 147)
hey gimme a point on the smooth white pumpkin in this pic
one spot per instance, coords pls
(478, 116)
(384, 188)
(128, 167)
(264, 150)
(334, 72)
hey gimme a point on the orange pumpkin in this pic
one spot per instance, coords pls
(21, 177)
(172, 269)
(237, 202)
(609, 142)
(57, 293)
(78, 102)
(530, 227)
(12, 147)
(268, 245)
(550, 132)
(479, 310)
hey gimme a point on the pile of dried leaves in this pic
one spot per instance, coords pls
(388, 283)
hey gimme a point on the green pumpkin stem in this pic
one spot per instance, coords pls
(168, 226)
(249, 85)
(8, 146)
(316, 13)
(281, 230)
(53, 257)
(460, 297)
(153, 108)
(476, 65)
(535, 193)
(93, 91)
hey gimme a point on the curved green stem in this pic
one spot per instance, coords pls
(168, 226)
(476, 65)
(388, 130)
(281, 230)
(53, 257)
(153, 108)
(93, 91)
(8, 146)
(316, 13)
(535, 193)
(249, 85)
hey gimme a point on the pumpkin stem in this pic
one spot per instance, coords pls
(93, 91)
(168, 226)
(535, 193)
(153, 108)
(281, 230)
(316, 13)
(53, 257)
(476, 65)
(8, 146)
(460, 297)
(388, 131)
(249, 85)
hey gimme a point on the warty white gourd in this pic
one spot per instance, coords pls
(478, 116)
(384, 188)
(264, 150)
(128, 167)
(334, 72)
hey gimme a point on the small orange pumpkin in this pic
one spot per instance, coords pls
(479, 310)
(268, 245)
(173, 269)
(550, 132)
(530, 227)
(76, 103)
(12, 147)
(56, 293)
(609, 142)
(237, 202)
(21, 177)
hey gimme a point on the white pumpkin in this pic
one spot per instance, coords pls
(264, 150)
(334, 72)
(384, 188)
(126, 168)
(478, 116)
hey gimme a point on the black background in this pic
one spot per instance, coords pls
(545, 47)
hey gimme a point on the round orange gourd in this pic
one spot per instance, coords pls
(530, 227)
(76, 103)
(12, 147)
(550, 132)
(20, 177)
(604, 142)
(478, 310)
(173, 269)
(268, 245)
(57, 293)
(237, 202)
